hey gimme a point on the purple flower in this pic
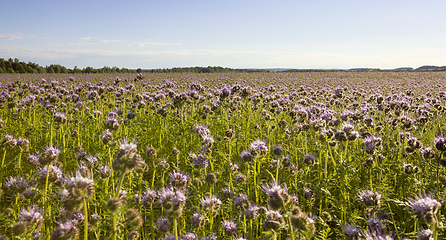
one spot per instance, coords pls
(258, 147)
(230, 227)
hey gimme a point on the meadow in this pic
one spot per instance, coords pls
(328, 155)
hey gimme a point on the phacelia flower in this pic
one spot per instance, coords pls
(258, 148)
(278, 196)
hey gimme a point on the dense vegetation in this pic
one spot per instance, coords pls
(15, 66)
(329, 155)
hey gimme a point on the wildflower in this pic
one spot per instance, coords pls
(23, 143)
(375, 236)
(172, 201)
(34, 160)
(92, 161)
(79, 188)
(66, 231)
(211, 203)
(228, 193)
(233, 167)
(164, 165)
(426, 234)
(376, 225)
(151, 153)
(278, 196)
(341, 136)
(277, 151)
(308, 193)
(240, 178)
(370, 198)
(427, 153)
(133, 218)
(15, 185)
(230, 227)
(246, 156)
(211, 236)
(301, 221)
(163, 224)
(202, 131)
(309, 159)
(371, 143)
(127, 159)
(229, 133)
(133, 235)
(211, 178)
(440, 143)
(241, 202)
(351, 232)
(50, 155)
(252, 211)
(54, 174)
(107, 136)
(178, 179)
(9, 141)
(30, 220)
(410, 169)
(105, 171)
(198, 220)
(189, 236)
(148, 197)
(425, 208)
(112, 123)
(273, 220)
(114, 204)
(60, 117)
(258, 148)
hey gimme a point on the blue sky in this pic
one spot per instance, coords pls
(236, 34)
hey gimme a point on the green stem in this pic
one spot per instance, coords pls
(120, 185)
(113, 215)
(175, 227)
(152, 229)
(85, 220)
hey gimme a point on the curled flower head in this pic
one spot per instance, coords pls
(230, 227)
(127, 159)
(198, 220)
(50, 155)
(425, 208)
(31, 215)
(107, 136)
(178, 179)
(79, 188)
(246, 156)
(440, 143)
(172, 201)
(273, 220)
(252, 211)
(370, 198)
(202, 131)
(210, 203)
(278, 196)
(258, 148)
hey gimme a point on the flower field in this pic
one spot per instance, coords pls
(327, 155)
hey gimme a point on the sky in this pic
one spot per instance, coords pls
(300, 34)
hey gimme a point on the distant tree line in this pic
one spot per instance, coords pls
(209, 69)
(15, 66)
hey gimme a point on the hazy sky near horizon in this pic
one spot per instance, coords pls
(235, 34)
